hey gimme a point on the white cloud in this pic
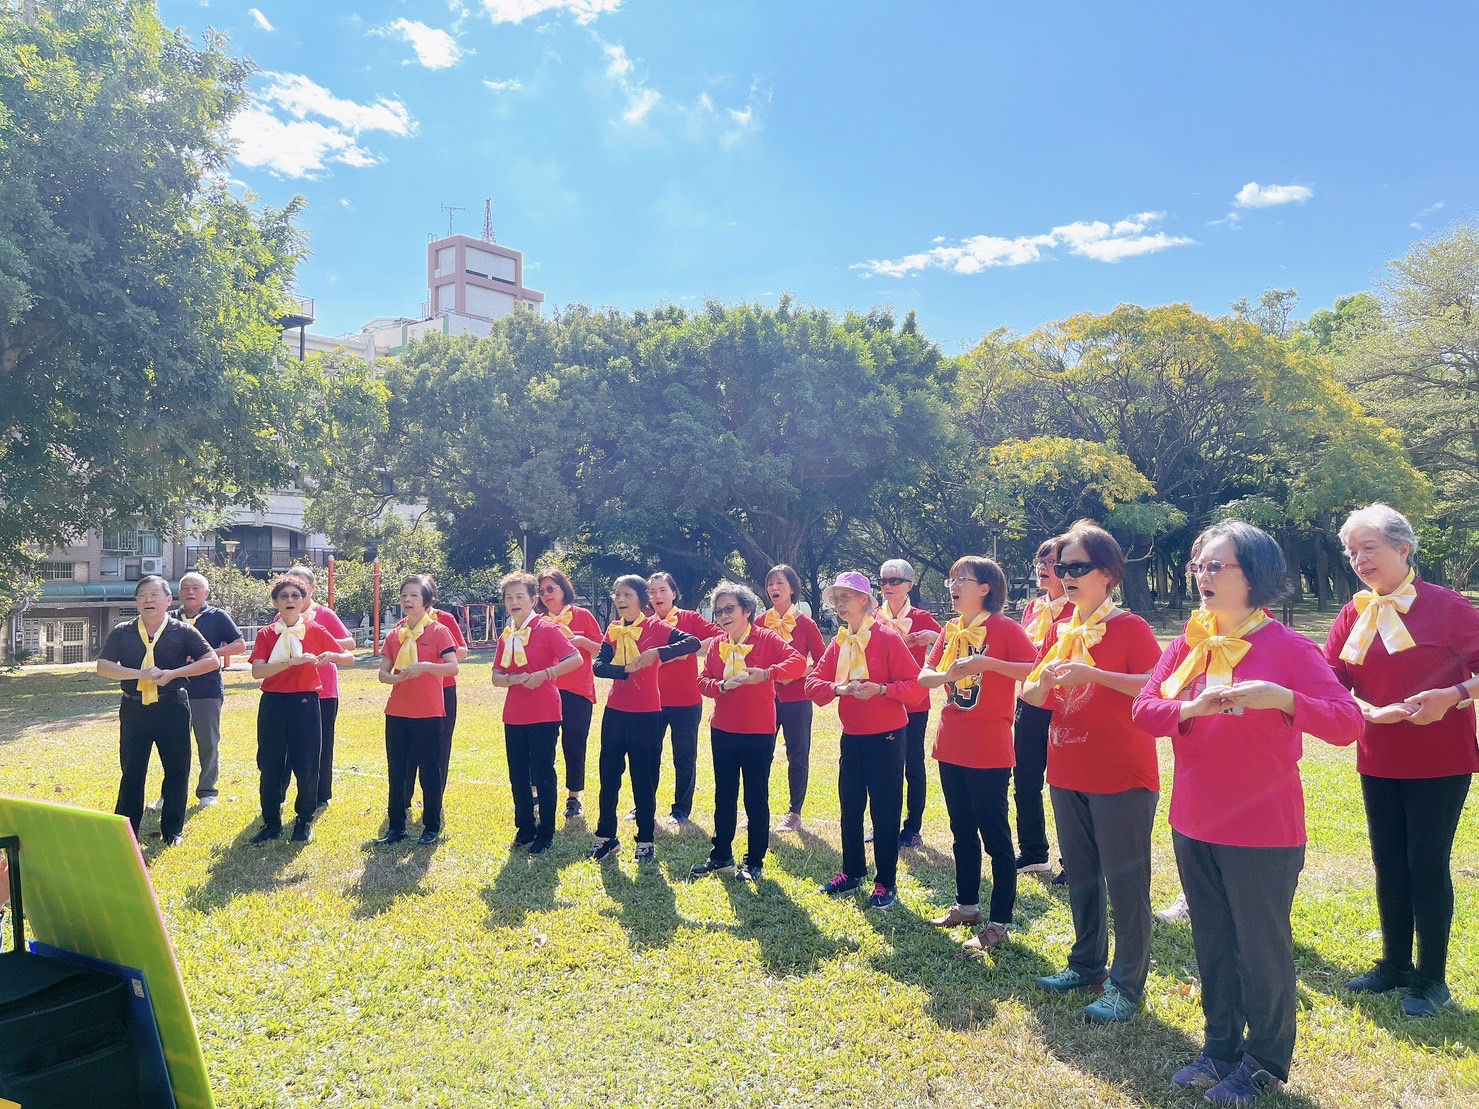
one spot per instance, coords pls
(260, 20)
(1430, 209)
(1097, 240)
(620, 64)
(435, 49)
(640, 99)
(299, 146)
(1254, 195)
(516, 11)
(511, 85)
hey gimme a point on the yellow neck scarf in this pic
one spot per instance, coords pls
(190, 619)
(562, 621)
(734, 655)
(1074, 641)
(1044, 616)
(961, 641)
(852, 665)
(409, 635)
(1379, 615)
(289, 640)
(671, 619)
(1211, 653)
(513, 642)
(783, 626)
(147, 689)
(623, 637)
(901, 622)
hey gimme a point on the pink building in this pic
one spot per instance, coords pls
(473, 277)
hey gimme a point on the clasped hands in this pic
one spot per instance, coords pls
(1421, 708)
(1244, 695)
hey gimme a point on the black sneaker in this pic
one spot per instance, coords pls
(1426, 1000)
(645, 853)
(709, 866)
(1060, 879)
(1380, 979)
(429, 838)
(751, 872)
(573, 808)
(266, 835)
(540, 846)
(910, 839)
(522, 841)
(839, 885)
(395, 835)
(177, 839)
(605, 848)
(302, 832)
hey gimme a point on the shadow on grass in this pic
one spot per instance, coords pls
(790, 942)
(391, 871)
(34, 703)
(243, 867)
(527, 883)
(646, 905)
(807, 856)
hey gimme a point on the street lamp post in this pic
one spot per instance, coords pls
(524, 545)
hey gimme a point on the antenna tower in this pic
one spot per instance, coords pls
(451, 211)
(488, 236)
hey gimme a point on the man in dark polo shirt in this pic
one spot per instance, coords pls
(207, 693)
(150, 656)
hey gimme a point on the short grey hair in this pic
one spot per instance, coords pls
(740, 592)
(301, 571)
(1395, 528)
(196, 575)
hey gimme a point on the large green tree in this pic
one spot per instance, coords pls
(139, 298)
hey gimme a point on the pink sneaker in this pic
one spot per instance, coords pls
(791, 822)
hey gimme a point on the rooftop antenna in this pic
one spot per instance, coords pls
(488, 236)
(451, 211)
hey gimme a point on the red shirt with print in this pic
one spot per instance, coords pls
(976, 724)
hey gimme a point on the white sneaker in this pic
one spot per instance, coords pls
(742, 823)
(209, 802)
(1176, 912)
(156, 805)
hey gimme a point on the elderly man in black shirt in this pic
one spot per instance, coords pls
(150, 656)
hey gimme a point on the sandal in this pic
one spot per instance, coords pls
(955, 916)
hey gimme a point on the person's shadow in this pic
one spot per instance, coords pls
(391, 871)
(647, 908)
(242, 868)
(790, 942)
(527, 883)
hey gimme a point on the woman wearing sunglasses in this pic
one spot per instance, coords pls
(1237, 692)
(979, 659)
(1030, 725)
(740, 671)
(578, 687)
(1102, 772)
(920, 631)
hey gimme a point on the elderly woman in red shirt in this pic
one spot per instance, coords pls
(677, 682)
(1409, 651)
(1030, 723)
(868, 668)
(1237, 692)
(793, 707)
(740, 671)
(577, 687)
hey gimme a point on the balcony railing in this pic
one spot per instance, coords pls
(260, 561)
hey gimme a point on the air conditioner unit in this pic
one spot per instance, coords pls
(151, 565)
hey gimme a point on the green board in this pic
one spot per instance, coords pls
(86, 890)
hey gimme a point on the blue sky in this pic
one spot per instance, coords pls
(985, 164)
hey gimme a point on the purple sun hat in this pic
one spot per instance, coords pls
(849, 579)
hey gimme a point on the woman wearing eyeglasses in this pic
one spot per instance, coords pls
(1030, 725)
(920, 631)
(871, 674)
(631, 727)
(1102, 772)
(1409, 650)
(578, 687)
(1237, 692)
(979, 658)
(682, 706)
(793, 707)
(740, 671)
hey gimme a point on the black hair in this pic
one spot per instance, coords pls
(1259, 557)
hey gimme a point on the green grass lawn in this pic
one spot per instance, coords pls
(338, 973)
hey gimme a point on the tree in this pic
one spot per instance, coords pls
(139, 298)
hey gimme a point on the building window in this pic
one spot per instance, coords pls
(125, 541)
(57, 571)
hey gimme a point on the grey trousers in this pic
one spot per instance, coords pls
(205, 720)
(1240, 899)
(1105, 842)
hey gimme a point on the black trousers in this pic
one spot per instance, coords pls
(1030, 738)
(575, 731)
(449, 725)
(746, 757)
(870, 776)
(914, 772)
(413, 745)
(289, 734)
(629, 739)
(1412, 822)
(166, 725)
(1240, 899)
(328, 719)
(682, 721)
(976, 800)
(531, 763)
(793, 718)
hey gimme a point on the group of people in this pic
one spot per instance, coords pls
(1074, 694)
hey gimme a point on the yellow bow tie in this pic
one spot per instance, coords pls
(1044, 616)
(1077, 640)
(1380, 615)
(902, 623)
(783, 626)
(961, 641)
(407, 654)
(562, 621)
(671, 619)
(148, 691)
(513, 642)
(1211, 653)
(289, 640)
(734, 655)
(623, 638)
(852, 665)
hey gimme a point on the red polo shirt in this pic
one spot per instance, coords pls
(454, 629)
(919, 621)
(750, 709)
(317, 640)
(890, 662)
(677, 681)
(976, 726)
(806, 637)
(579, 681)
(420, 697)
(547, 647)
